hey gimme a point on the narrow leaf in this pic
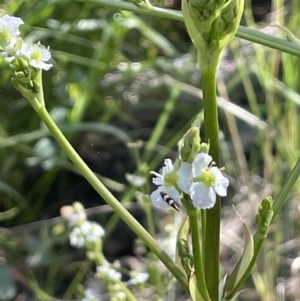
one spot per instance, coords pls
(194, 292)
(244, 261)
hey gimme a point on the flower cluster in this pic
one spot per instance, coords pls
(84, 233)
(12, 46)
(201, 180)
(107, 271)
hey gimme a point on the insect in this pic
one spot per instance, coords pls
(170, 201)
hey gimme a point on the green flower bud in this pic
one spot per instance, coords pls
(204, 148)
(189, 145)
(36, 86)
(20, 75)
(183, 248)
(20, 63)
(264, 216)
(187, 260)
(211, 25)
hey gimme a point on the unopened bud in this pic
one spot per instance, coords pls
(211, 25)
(189, 145)
(264, 216)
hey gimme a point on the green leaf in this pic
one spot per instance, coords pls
(244, 261)
(194, 292)
(221, 287)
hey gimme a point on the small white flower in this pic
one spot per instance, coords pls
(37, 55)
(295, 267)
(12, 49)
(107, 271)
(135, 180)
(90, 295)
(137, 278)
(165, 180)
(120, 296)
(77, 238)
(74, 215)
(75, 218)
(203, 182)
(9, 31)
(91, 231)
(86, 232)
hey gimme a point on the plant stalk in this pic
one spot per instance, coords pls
(212, 235)
(110, 199)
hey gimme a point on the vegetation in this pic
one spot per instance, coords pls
(124, 88)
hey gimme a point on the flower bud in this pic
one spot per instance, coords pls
(187, 260)
(189, 145)
(204, 148)
(211, 25)
(264, 216)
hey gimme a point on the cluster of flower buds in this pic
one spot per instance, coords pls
(211, 25)
(26, 60)
(194, 174)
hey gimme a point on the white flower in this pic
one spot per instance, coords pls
(12, 49)
(202, 181)
(9, 32)
(137, 278)
(91, 231)
(86, 232)
(135, 180)
(107, 271)
(77, 238)
(37, 55)
(74, 215)
(90, 295)
(295, 267)
(165, 180)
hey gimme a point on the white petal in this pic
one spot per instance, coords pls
(168, 167)
(158, 180)
(221, 183)
(200, 162)
(203, 197)
(185, 175)
(157, 199)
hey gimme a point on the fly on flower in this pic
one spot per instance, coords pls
(170, 201)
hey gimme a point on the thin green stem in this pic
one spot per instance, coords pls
(250, 34)
(212, 235)
(198, 260)
(286, 189)
(203, 230)
(110, 199)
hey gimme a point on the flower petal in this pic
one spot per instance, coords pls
(203, 197)
(200, 162)
(221, 183)
(185, 175)
(168, 167)
(158, 200)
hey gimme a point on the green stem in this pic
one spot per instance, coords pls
(198, 260)
(110, 199)
(212, 235)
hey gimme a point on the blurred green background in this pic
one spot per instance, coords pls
(124, 88)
